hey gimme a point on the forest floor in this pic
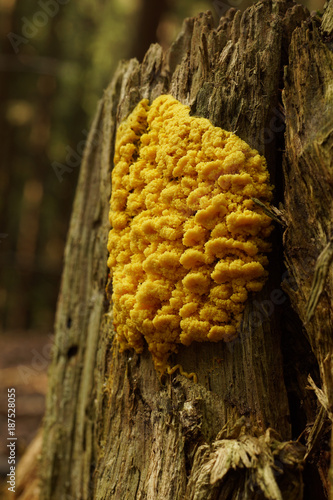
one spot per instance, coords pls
(24, 359)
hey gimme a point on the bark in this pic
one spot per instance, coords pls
(112, 428)
(308, 239)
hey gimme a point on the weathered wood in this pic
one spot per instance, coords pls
(308, 102)
(112, 428)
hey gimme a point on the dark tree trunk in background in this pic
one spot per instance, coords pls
(112, 429)
(150, 15)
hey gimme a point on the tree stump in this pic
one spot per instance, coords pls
(112, 428)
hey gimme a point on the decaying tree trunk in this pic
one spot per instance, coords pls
(308, 239)
(112, 428)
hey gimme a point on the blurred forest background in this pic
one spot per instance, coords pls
(56, 58)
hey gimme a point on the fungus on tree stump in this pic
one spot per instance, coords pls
(187, 242)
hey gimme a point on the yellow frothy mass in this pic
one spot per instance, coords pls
(187, 242)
